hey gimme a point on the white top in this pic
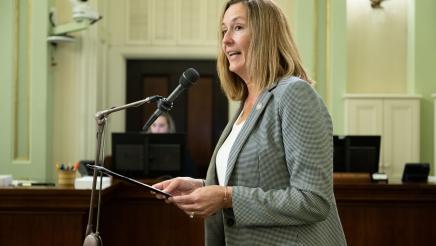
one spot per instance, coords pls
(222, 156)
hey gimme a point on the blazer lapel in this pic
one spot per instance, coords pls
(246, 129)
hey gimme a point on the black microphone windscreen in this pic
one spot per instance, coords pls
(189, 77)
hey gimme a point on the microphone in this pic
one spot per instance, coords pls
(188, 78)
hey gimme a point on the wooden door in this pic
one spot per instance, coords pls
(201, 112)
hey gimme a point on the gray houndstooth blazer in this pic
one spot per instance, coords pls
(280, 168)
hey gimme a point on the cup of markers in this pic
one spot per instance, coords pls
(66, 173)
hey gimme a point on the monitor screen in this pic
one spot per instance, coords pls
(165, 154)
(356, 153)
(144, 155)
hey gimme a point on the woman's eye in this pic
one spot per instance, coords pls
(237, 28)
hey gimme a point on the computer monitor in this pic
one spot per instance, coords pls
(144, 155)
(416, 172)
(356, 153)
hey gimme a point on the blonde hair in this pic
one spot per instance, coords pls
(170, 123)
(272, 53)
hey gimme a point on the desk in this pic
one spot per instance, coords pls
(387, 214)
(43, 216)
(371, 214)
(135, 217)
(58, 216)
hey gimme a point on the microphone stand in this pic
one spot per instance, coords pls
(91, 238)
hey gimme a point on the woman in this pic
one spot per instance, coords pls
(269, 181)
(163, 124)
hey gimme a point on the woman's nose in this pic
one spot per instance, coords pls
(227, 38)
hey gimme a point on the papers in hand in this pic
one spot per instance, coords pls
(133, 181)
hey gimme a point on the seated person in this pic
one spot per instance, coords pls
(165, 124)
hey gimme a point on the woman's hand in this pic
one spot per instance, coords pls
(204, 201)
(178, 186)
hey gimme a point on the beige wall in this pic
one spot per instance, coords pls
(377, 47)
(66, 91)
(78, 86)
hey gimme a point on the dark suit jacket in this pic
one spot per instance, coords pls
(280, 168)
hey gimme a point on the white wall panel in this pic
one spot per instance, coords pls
(401, 137)
(396, 118)
(364, 116)
(169, 23)
(138, 21)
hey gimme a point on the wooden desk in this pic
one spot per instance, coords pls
(43, 215)
(135, 217)
(58, 216)
(371, 214)
(387, 214)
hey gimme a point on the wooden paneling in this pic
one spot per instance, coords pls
(154, 85)
(42, 228)
(371, 214)
(134, 217)
(387, 214)
(200, 102)
(43, 216)
(58, 216)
